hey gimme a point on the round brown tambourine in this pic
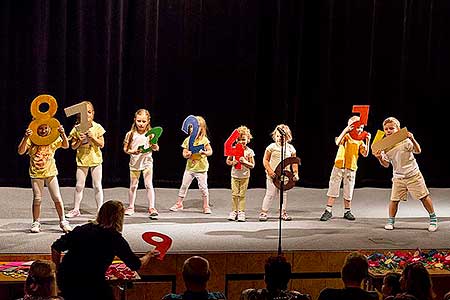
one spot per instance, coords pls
(287, 173)
(45, 117)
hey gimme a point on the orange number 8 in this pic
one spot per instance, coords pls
(44, 118)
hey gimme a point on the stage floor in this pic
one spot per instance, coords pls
(194, 232)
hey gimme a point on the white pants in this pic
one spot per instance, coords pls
(96, 175)
(148, 182)
(202, 180)
(271, 193)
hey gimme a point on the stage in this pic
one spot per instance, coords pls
(194, 232)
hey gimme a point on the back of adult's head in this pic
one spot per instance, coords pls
(111, 215)
(196, 272)
(277, 273)
(355, 268)
(41, 279)
(416, 281)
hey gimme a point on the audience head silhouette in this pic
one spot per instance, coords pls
(355, 269)
(416, 281)
(196, 273)
(277, 273)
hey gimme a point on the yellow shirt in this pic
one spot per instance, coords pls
(348, 152)
(88, 154)
(42, 161)
(197, 162)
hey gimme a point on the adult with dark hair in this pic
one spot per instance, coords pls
(416, 281)
(354, 271)
(91, 249)
(277, 273)
(196, 274)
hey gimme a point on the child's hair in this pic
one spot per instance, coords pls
(202, 128)
(111, 215)
(133, 126)
(140, 112)
(352, 120)
(41, 279)
(87, 102)
(392, 120)
(392, 280)
(243, 130)
(284, 128)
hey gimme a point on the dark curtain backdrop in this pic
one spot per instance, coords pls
(235, 62)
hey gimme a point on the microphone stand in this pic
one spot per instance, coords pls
(281, 191)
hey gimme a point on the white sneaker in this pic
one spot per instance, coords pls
(389, 226)
(65, 226)
(433, 227)
(241, 216)
(129, 211)
(35, 227)
(73, 213)
(232, 216)
(177, 206)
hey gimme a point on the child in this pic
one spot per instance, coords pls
(43, 171)
(272, 157)
(391, 285)
(344, 169)
(240, 177)
(41, 281)
(89, 157)
(140, 161)
(406, 174)
(196, 167)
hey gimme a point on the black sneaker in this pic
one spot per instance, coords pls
(326, 216)
(349, 216)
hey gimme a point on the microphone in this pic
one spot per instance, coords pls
(281, 131)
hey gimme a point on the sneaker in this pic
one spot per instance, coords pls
(153, 213)
(129, 211)
(349, 216)
(263, 217)
(207, 210)
(326, 216)
(389, 226)
(64, 225)
(177, 206)
(73, 213)
(241, 216)
(35, 227)
(285, 216)
(432, 227)
(232, 216)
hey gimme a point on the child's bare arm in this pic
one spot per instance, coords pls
(266, 163)
(347, 129)
(417, 149)
(23, 147)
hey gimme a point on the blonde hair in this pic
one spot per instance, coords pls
(243, 130)
(111, 215)
(41, 279)
(286, 129)
(352, 120)
(133, 126)
(202, 128)
(392, 120)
